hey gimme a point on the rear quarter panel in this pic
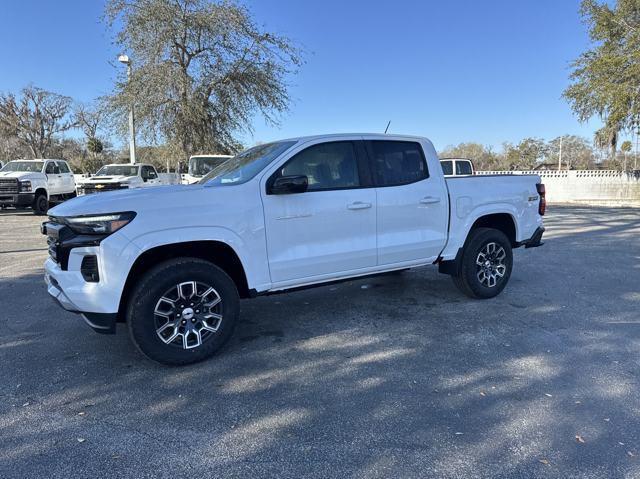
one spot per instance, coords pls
(472, 197)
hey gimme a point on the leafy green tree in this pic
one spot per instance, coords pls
(201, 70)
(526, 154)
(94, 146)
(606, 78)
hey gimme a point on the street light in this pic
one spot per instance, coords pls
(132, 129)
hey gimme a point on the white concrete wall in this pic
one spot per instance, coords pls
(597, 187)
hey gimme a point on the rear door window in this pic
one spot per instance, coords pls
(397, 162)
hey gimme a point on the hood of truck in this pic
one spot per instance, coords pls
(107, 179)
(136, 199)
(22, 175)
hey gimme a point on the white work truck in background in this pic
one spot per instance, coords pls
(200, 165)
(173, 262)
(457, 167)
(36, 183)
(120, 177)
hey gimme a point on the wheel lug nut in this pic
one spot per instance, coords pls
(184, 322)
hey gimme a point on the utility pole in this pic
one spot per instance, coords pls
(560, 155)
(635, 157)
(132, 129)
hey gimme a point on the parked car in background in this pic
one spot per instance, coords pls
(457, 167)
(173, 262)
(200, 165)
(120, 177)
(36, 183)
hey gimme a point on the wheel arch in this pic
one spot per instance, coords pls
(504, 222)
(41, 190)
(217, 252)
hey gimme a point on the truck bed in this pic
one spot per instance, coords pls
(474, 196)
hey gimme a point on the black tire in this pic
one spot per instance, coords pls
(468, 280)
(40, 204)
(143, 321)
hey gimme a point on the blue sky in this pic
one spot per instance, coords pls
(489, 71)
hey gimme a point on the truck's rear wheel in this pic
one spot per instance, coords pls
(182, 311)
(486, 264)
(40, 204)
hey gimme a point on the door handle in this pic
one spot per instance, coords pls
(429, 200)
(359, 205)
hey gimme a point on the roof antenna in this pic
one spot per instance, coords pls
(387, 128)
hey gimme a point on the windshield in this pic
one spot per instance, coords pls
(118, 170)
(31, 166)
(241, 168)
(202, 165)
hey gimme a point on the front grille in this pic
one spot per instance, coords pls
(99, 187)
(53, 248)
(55, 232)
(61, 240)
(8, 186)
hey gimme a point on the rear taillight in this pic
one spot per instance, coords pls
(542, 206)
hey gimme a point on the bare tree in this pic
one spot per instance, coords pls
(90, 118)
(201, 70)
(35, 118)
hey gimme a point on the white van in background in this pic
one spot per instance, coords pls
(200, 165)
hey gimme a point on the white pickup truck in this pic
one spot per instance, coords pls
(200, 165)
(36, 183)
(120, 177)
(172, 262)
(457, 167)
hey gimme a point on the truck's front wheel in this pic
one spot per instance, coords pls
(40, 204)
(182, 311)
(486, 264)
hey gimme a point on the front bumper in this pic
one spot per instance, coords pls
(104, 323)
(17, 199)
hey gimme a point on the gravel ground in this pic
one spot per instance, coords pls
(398, 376)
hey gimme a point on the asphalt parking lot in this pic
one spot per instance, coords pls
(398, 376)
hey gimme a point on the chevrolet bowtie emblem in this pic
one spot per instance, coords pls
(99, 186)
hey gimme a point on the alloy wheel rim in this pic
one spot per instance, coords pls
(188, 314)
(490, 264)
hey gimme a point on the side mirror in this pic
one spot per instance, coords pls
(285, 185)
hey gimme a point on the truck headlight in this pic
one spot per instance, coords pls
(25, 186)
(99, 224)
